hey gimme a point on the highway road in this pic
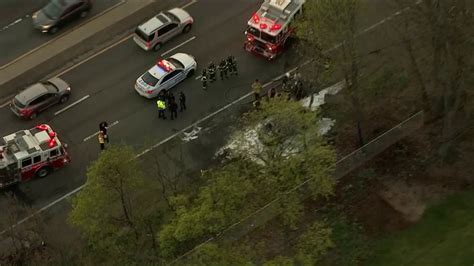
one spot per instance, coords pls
(17, 35)
(103, 88)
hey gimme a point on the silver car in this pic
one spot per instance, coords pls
(40, 96)
(164, 26)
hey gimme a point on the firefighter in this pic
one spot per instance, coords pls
(212, 72)
(223, 67)
(161, 108)
(204, 79)
(257, 89)
(232, 65)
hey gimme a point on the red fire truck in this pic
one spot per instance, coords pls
(269, 27)
(29, 153)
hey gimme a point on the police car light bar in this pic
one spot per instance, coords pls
(165, 65)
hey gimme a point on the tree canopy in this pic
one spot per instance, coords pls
(109, 211)
(292, 152)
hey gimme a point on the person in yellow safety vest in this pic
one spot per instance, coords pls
(161, 108)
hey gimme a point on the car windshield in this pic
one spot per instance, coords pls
(172, 17)
(143, 35)
(254, 31)
(18, 103)
(176, 63)
(52, 10)
(268, 38)
(149, 79)
(50, 86)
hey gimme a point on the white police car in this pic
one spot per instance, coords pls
(165, 74)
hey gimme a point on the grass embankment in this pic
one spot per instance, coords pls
(444, 236)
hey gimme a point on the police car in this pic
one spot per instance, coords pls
(165, 74)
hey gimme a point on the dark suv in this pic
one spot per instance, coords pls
(58, 12)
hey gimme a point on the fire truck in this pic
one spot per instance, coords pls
(269, 27)
(30, 153)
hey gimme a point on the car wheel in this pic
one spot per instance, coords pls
(187, 28)
(64, 99)
(157, 47)
(43, 172)
(84, 13)
(33, 116)
(190, 73)
(53, 30)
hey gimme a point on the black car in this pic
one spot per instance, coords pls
(58, 12)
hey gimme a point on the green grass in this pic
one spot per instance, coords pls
(444, 236)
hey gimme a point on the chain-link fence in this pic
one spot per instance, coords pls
(343, 167)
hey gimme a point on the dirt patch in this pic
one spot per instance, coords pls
(411, 199)
(376, 216)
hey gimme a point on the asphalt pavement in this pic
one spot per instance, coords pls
(17, 35)
(106, 81)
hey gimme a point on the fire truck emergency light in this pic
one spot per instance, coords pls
(275, 26)
(42, 127)
(255, 18)
(263, 26)
(52, 143)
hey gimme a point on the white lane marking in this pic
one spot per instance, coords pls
(138, 155)
(177, 46)
(97, 132)
(198, 77)
(5, 104)
(13, 23)
(72, 104)
(94, 55)
(188, 4)
(60, 35)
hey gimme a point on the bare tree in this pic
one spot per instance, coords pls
(448, 77)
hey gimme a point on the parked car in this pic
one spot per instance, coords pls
(161, 28)
(58, 12)
(40, 96)
(165, 74)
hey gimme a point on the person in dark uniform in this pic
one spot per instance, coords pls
(169, 97)
(182, 101)
(223, 67)
(103, 126)
(232, 65)
(173, 106)
(212, 72)
(204, 79)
